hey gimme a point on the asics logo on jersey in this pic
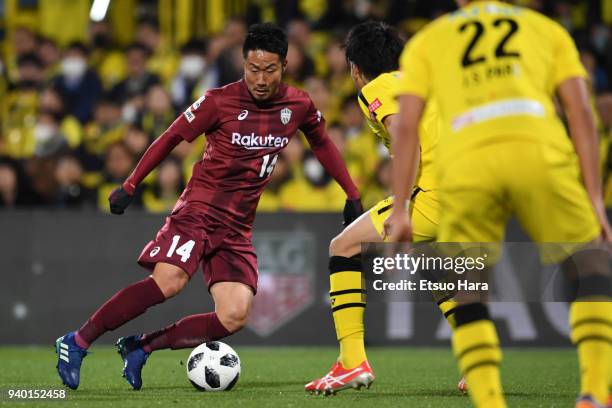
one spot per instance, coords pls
(254, 142)
(243, 114)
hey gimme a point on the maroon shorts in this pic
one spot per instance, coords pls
(192, 235)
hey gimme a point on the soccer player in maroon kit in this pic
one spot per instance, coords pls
(247, 124)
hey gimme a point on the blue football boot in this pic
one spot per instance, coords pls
(69, 359)
(134, 358)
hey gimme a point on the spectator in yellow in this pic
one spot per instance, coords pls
(163, 61)
(106, 129)
(362, 146)
(50, 56)
(321, 97)
(133, 88)
(310, 189)
(108, 60)
(379, 184)
(338, 79)
(50, 101)
(338, 134)
(118, 164)
(19, 107)
(24, 43)
(158, 113)
(161, 196)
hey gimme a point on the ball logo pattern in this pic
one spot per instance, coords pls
(213, 366)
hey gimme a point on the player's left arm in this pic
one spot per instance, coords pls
(199, 118)
(330, 158)
(122, 196)
(413, 92)
(391, 122)
(574, 96)
(404, 131)
(573, 91)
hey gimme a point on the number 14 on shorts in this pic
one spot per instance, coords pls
(184, 250)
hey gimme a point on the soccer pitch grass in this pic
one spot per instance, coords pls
(406, 377)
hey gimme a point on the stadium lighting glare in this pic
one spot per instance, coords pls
(98, 10)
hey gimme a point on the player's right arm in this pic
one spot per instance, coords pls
(197, 119)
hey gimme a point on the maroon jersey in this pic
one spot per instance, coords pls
(244, 139)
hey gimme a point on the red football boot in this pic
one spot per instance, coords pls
(586, 401)
(339, 378)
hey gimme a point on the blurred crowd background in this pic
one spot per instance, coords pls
(80, 99)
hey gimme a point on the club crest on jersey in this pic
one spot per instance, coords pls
(285, 115)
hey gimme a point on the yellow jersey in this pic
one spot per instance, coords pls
(492, 69)
(377, 100)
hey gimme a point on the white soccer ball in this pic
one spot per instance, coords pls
(213, 366)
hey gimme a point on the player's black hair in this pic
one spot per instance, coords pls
(266, 37)
(375, 48)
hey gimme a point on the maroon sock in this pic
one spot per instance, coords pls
(127, 304)
(188, 332)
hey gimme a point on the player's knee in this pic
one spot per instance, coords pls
(170, 280)
(233, 318)
(340, 246)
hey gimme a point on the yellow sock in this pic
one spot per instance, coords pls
(352, 350)
(347, 294)
(447, 307)
(477, 350)
(591, 332)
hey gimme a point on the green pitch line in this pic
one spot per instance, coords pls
(409, 377)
